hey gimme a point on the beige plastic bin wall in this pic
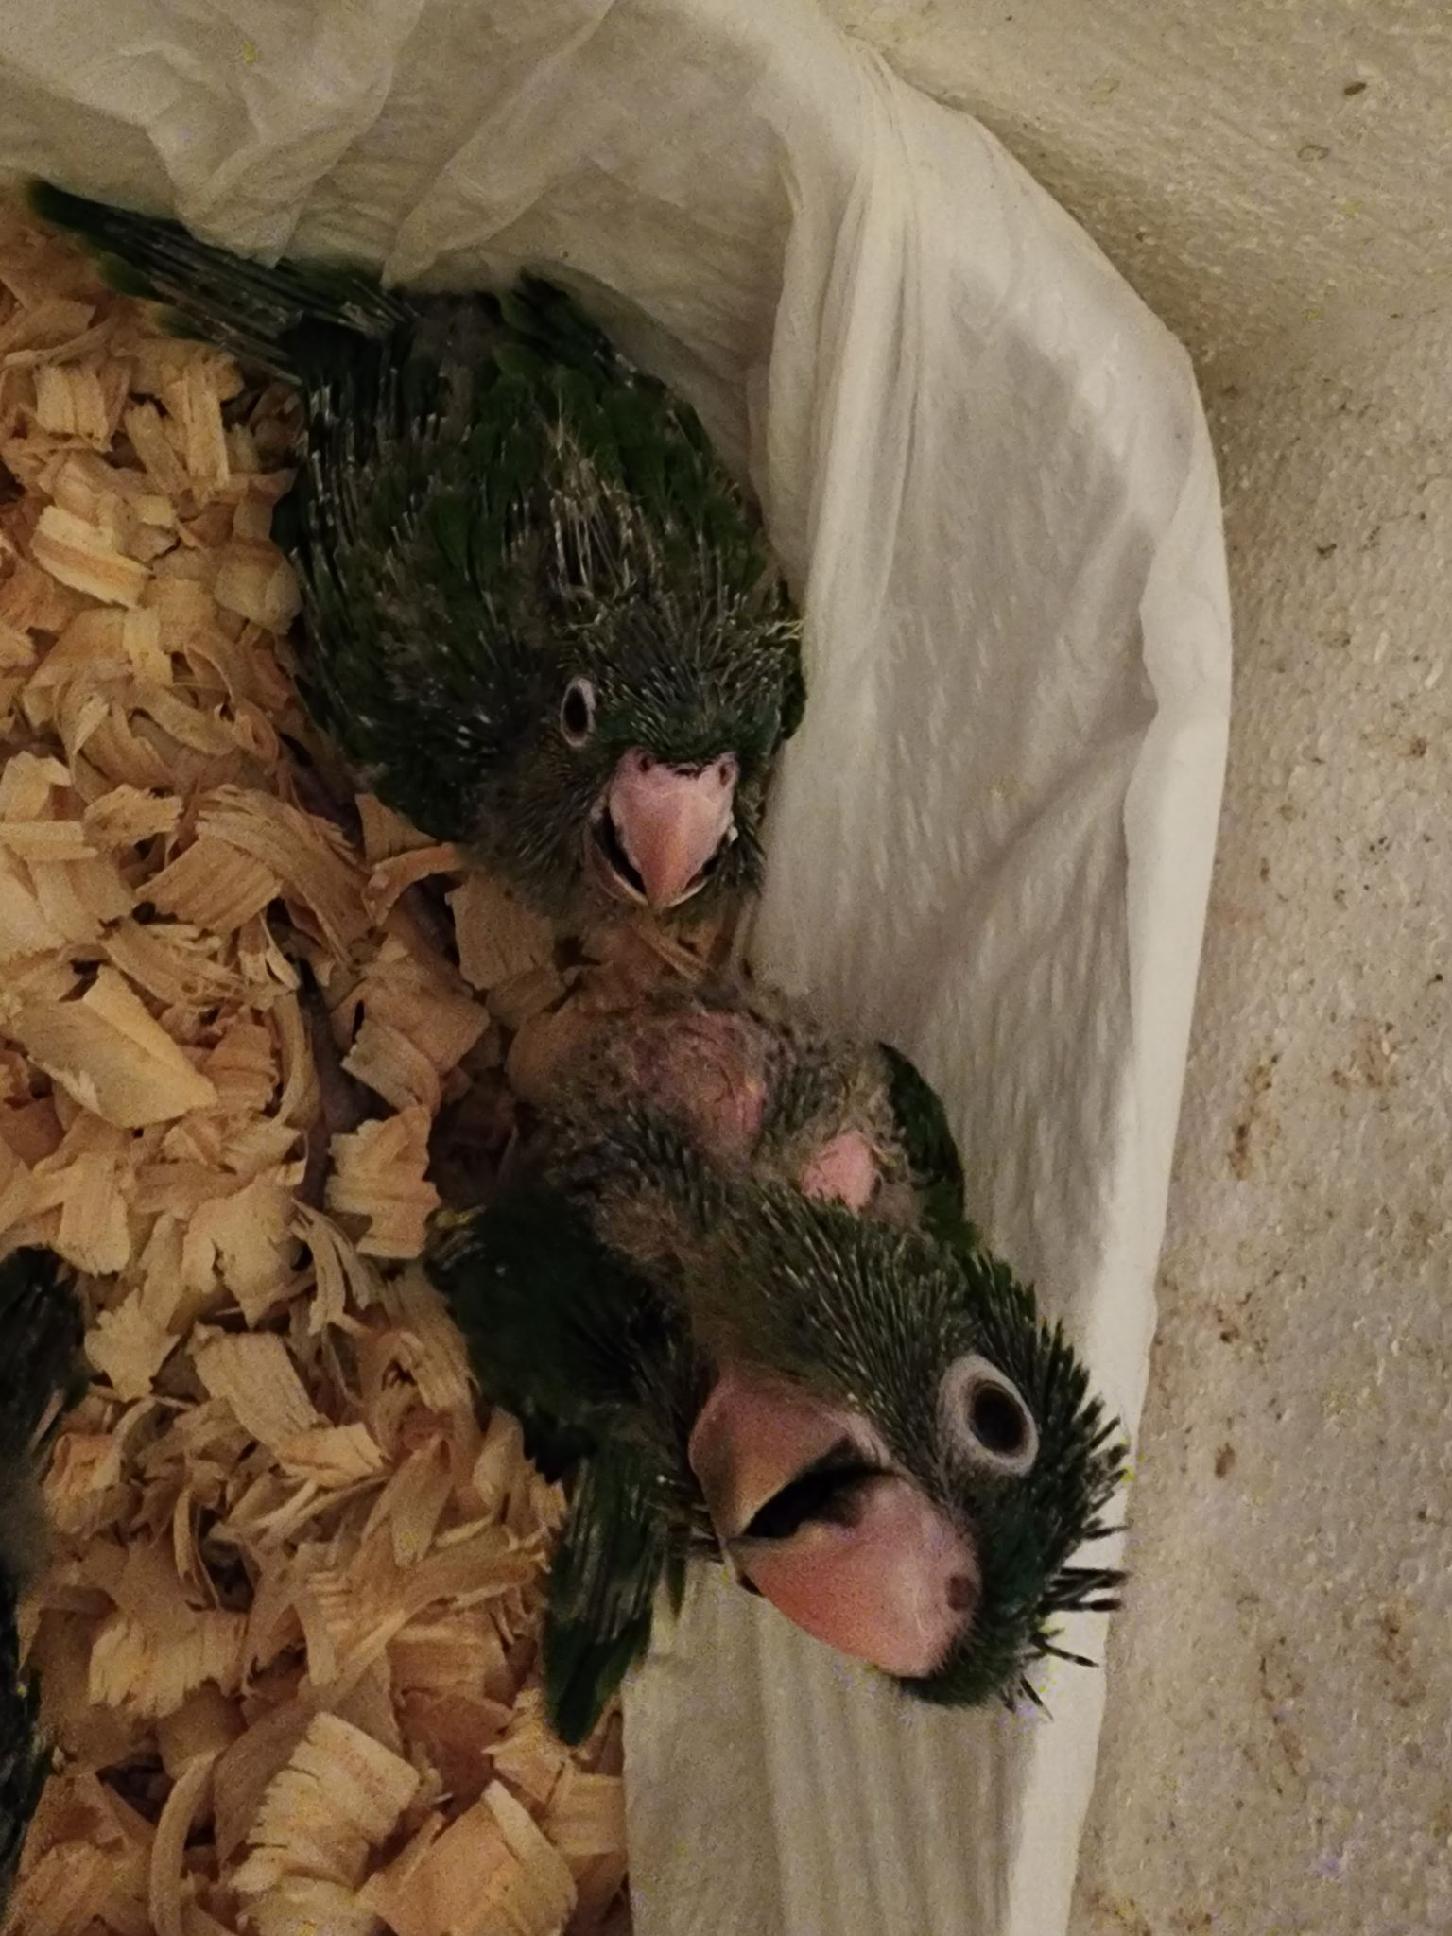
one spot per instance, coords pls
(1275, 180)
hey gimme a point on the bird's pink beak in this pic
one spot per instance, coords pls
(667, 824)
(889, 1578)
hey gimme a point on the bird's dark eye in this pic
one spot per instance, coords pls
(986, 1419)
(577, 712)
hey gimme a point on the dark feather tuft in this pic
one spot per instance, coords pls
(40, 1374)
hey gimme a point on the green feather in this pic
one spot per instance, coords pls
(40, 1326)
(644, 1245)
(932, 1150)
(535, 1294)
(608, 1566)
(558, 1328)
(241, 306)
(1029, 1533)
(525, 365)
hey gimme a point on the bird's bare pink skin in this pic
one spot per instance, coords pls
(669, 823)
(894, 1585)
(842, 1171)
(708, 1069)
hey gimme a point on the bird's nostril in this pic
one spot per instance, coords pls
(961, 1592)
(644, 762)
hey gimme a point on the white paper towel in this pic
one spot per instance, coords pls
(985, 467)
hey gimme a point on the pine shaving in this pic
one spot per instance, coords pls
(166, 1873)
(339, 1796)
(497, 938)
(85, 557)
(111, 1055)
(255, 1376)
(287, 1643)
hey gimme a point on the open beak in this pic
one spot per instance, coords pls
(812, 1514)
(660, 830)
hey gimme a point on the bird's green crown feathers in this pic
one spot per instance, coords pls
(1029, 1534)
(905, 1304)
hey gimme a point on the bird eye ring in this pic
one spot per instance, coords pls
(987, 1420)
(577, 712)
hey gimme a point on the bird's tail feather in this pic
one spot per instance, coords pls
(246, 308)
(39, 1375)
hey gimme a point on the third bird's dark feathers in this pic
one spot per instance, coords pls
(541, 618)
(41, 1374)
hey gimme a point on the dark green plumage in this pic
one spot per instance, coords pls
(662, 1232)
(39, 1376)
(567, 1342)
(931, 1151)
(494, 510)
(608, 1568)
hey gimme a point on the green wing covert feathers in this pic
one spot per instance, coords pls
(542, 619)
(564, 1339)
(929, 1146)
(738, 1271)
(612, 1557)
(40, 1376)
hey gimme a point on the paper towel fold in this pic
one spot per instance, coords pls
(985, 467)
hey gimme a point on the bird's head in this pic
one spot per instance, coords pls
(645, 780)
(899, 1455)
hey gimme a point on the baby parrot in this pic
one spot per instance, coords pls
(732, 1285)
(40, 1375)
(542, 620)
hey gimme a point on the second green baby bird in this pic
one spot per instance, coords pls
(733, 1287)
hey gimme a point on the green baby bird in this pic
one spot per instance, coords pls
(732, 1286)
(542, 620)
(40, 1375)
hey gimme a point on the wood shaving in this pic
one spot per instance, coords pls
(288, 1643)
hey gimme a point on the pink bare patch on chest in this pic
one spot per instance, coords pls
(842, 1171)
(708, 1070)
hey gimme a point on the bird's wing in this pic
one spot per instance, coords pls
(419, 558)
(548, 1313)
(251, 310)
(560, 1329)
(930, 1148)
(615, 1551)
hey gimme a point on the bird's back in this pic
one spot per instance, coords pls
(759, 1087)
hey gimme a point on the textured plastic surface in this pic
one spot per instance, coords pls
(1280, 1698)
(986, 468)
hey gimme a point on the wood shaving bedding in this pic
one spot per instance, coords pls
(249, 1040)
